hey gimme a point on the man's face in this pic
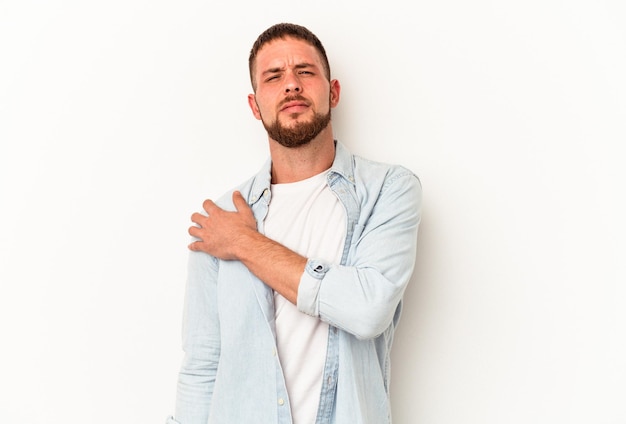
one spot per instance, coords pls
(293, 98)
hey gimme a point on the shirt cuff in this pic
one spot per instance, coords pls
(309, 288)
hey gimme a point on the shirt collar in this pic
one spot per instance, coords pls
(342, 166)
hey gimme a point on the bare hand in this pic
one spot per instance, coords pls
(222, 231)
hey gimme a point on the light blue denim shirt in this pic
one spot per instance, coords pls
(231, 373)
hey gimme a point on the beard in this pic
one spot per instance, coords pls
(300, 134)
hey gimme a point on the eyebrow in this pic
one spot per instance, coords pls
(304, 65)
(280, 69)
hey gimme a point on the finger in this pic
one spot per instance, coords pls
(194, 231)
(194, 246)
(209, 206)
(198, 218)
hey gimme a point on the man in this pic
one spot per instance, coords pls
(296, 278)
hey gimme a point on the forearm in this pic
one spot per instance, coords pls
(194, 393)
(274, 264)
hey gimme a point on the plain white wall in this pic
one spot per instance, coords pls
(118, 118)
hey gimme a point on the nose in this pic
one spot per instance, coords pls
(292, 84)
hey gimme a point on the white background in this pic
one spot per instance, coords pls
(118, 118)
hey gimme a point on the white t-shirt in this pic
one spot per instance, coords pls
(306, 217)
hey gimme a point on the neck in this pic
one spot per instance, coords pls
(291, 164)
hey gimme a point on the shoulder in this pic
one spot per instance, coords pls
(379, 177)
(370, 173)
(388, 172)
(251, 189)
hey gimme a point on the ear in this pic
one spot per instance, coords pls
(253, 106)
(335, 92)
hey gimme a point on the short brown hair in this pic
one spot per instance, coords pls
(282, 31)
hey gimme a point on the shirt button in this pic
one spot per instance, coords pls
(281, 401)
(273, 351)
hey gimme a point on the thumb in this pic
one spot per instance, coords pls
(239, 202)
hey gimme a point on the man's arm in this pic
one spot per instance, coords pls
(233, 236)
(201, 342)
(361, 298)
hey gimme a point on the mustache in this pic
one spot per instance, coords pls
(293, 98)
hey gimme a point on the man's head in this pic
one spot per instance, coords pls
(293, 92)
(282, 31)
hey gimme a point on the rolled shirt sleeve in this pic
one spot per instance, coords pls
(309, 287)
